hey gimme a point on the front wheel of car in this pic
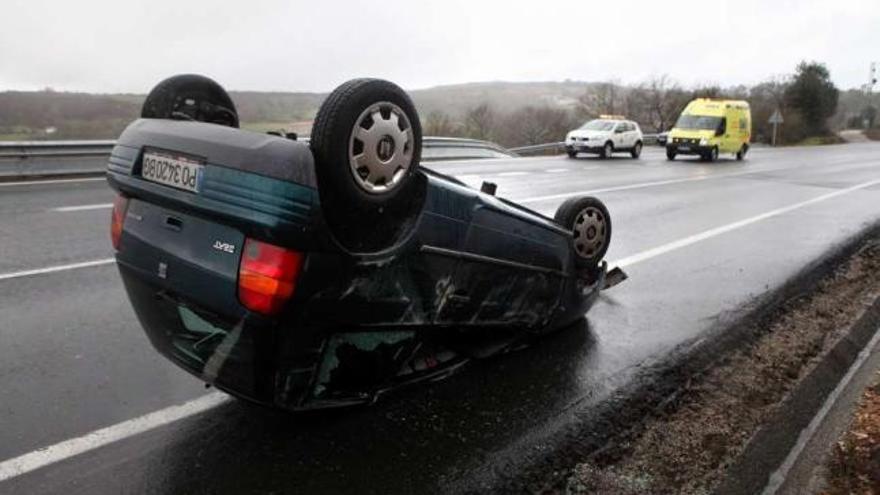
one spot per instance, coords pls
(637, 150)
(190, 97)
(571, 153)
(588, 221)
(607, 150)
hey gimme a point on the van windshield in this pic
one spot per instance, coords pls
(599, 125)
(698, 122)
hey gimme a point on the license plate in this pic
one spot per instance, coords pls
(172, 170)
(684, 148)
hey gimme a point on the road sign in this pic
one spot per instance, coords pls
(776, 118)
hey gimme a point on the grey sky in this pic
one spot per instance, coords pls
(126, 46)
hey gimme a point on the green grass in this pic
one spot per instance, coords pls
(821, 141)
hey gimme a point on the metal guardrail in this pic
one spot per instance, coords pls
(43, 158)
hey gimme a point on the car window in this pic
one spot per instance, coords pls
(598, 125)
(698, 122)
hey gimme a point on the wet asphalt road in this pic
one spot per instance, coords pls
(701, 242)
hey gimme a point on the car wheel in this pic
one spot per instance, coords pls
(606, 150)
(670, 154)
(637, 150)
(190, 97)
(588, 221)
(741, 154)
(572, 153)
(367, 141)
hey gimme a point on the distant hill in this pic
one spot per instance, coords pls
(62, 115)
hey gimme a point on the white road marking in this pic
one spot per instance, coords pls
(626, 187)
(50, 181)
(57, 268)
(512, 174)
(83, 207)
(708, 234)
(60, 451)
(556, 170)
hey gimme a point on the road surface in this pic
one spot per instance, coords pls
(699, 241)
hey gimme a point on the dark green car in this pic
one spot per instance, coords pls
(323, 274)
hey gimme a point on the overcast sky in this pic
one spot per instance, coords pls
(293, 45)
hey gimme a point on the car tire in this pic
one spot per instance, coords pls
(741, 154)
(588, 221)
(607, 150)
(712, 155)
(571, 153)
(190, 97)
(368, 205)
(670, 154)
(636, 152)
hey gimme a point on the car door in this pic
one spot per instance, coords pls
(619, 136)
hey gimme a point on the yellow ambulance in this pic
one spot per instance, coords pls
(708, 127)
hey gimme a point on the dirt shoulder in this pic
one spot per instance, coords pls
(688, 444)
(854, 465)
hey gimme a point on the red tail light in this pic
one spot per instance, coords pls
(267, 276)
(117, 220)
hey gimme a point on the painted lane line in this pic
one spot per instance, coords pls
(708, 234)
(57, 268)
(50, 181)
(100, 206)
(512, 174)
(60, 451)
(638, 185)
(556, 170)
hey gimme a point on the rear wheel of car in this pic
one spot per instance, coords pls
(588, 221)
(190, 97)
(670, 154)
(741, 154)
(637, 150)
(367, 142)
(607, 150)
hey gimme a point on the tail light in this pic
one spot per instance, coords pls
(117, 220)
(267, 276)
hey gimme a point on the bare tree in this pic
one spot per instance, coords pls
(601, 98)
(439, 123)
(657, 102)
(535, 125)
(480, 121)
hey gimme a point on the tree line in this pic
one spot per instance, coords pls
(807, 98)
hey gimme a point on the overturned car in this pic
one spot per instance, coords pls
(324, 274)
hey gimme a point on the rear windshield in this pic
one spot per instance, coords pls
(599, 125)
(698, 122)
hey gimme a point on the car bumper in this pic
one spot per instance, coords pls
(583, 147)
(688, 149)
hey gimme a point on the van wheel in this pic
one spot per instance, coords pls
(367, 143)
(190, 97)
(588, 221)
(711, 155)
(670, 154)
(741, 154)
(637, 150)
(607, 150)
